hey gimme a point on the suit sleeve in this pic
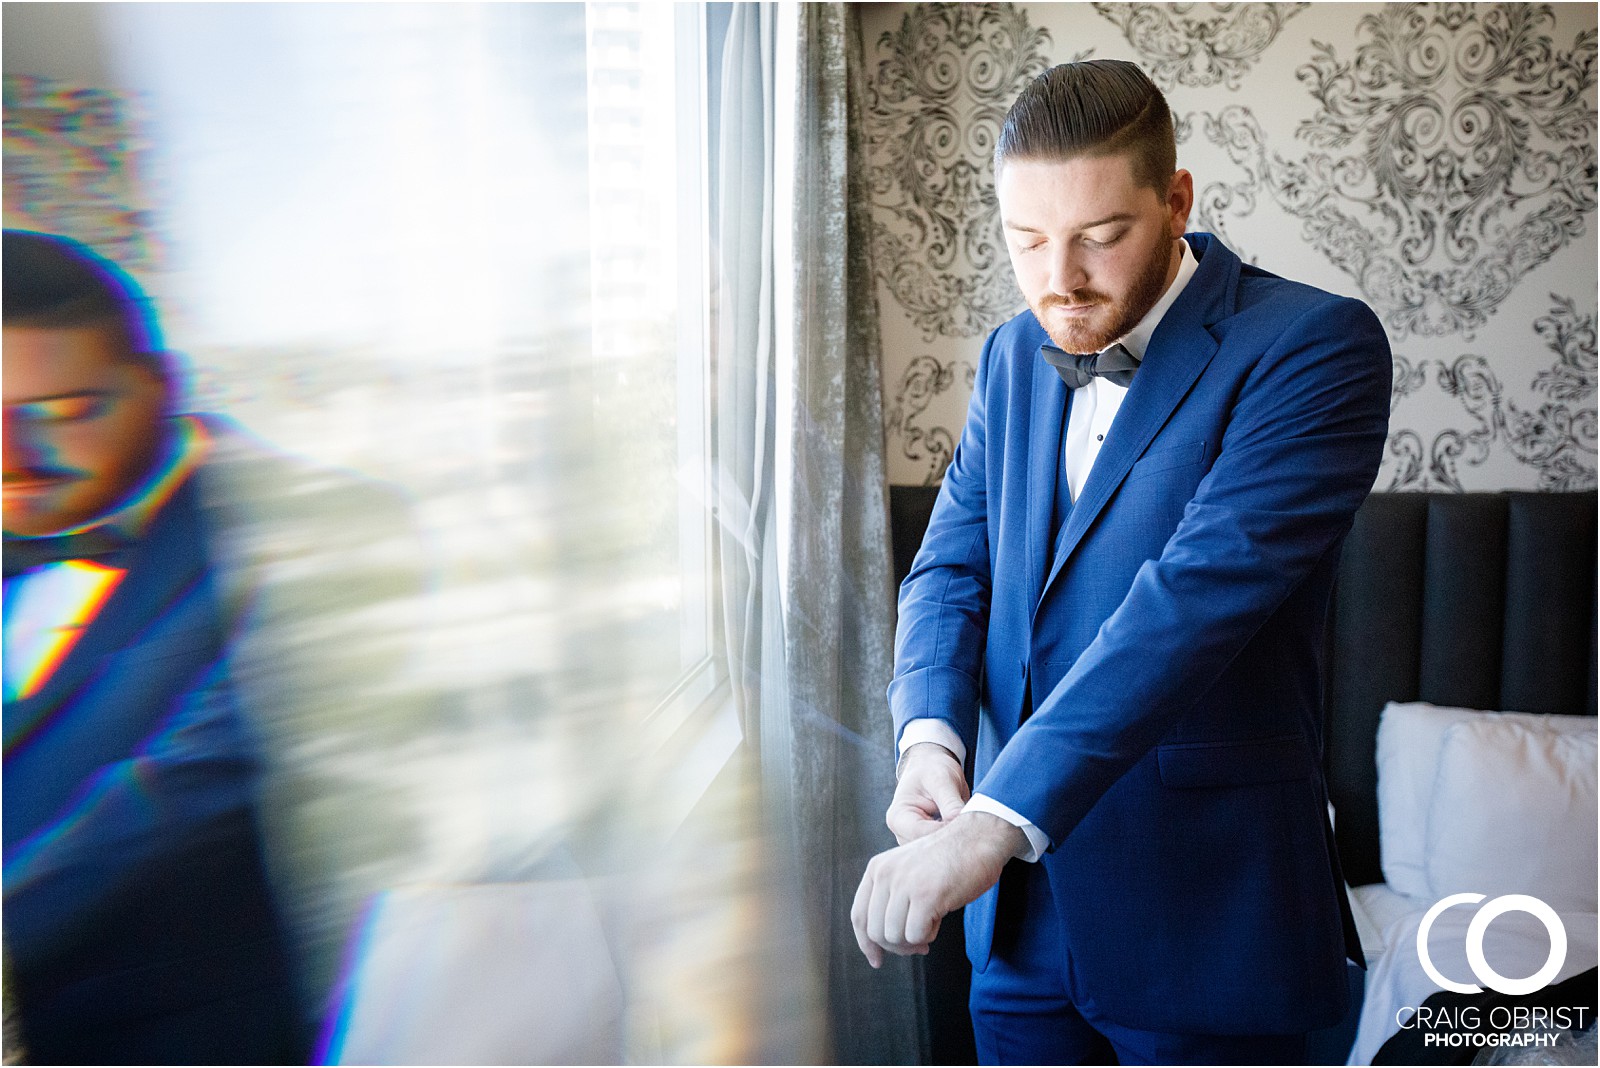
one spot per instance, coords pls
(1299, 454)
(188, 787)
(944, 601)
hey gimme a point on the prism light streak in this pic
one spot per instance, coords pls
(84, 586)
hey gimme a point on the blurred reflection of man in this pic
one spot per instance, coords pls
(138, 918)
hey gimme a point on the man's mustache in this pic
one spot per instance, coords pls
(1074, 300)
(25, 475)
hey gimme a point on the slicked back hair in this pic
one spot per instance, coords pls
(1097, 107)
(56, 283)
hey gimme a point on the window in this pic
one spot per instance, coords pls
(647, 152)
(462, 248)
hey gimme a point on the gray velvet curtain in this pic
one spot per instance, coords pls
(811, 651)
(838, 594)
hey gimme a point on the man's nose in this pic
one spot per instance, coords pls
(1066, 271)
(23, 449)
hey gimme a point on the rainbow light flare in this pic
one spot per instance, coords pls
(90, 587)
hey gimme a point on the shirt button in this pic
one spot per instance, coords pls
(1099, 437)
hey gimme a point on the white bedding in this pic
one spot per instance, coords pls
(1515, 945)
(1376, 906)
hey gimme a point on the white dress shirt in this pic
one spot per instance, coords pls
(1094, 407)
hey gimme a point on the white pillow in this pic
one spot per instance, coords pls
(1410, 737)
(1514, 813)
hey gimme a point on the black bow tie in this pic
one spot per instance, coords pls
(1115, 364)
(25, 554)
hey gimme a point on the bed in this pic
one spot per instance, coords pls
(1450, 611)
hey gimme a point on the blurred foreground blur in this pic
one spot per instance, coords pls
(436, 275)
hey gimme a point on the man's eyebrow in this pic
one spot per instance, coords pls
(1121, 216)
(74, 395)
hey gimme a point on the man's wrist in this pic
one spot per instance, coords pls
(926, 749)
(1039, 843)
(931, 729)
(1006, 839)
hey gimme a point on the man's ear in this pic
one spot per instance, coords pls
(161, 371)
(1180, 201)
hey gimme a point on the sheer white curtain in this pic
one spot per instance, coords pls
(745, 356)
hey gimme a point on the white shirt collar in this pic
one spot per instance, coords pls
(1138, 339)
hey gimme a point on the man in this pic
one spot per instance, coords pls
(137, 913)
(184, 612)
(1117, 612)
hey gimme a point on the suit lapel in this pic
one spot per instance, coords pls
(1049, 414)
(1179, 351)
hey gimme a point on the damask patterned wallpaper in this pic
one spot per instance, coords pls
(1435, 160)
(70, 167)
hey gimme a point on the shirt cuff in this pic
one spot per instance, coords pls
(1038, 841)
(932, 730)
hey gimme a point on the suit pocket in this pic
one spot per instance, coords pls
(1196, 765)
(1168, 458)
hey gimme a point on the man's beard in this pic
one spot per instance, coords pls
(1119, 315)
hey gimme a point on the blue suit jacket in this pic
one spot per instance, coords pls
(138, 919)
(1148, 689)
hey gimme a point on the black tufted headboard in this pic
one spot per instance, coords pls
(1481, 600)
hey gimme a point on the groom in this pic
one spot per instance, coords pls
(1116, 619)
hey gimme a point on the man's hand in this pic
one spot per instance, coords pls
(908, 891)
(931, 792)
